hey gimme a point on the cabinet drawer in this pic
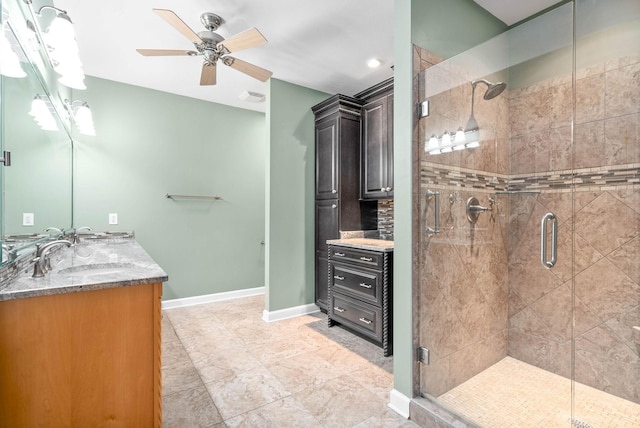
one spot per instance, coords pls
(363, 318)
(364, 284)
(370, 259)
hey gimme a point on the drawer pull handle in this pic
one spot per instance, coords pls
(338, 277)
(338, 309)
(366, 321)
(365, 285)
(339, 254)
(366, 259)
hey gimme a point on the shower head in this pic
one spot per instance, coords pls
(493, 89)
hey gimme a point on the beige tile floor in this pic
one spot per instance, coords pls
(225, 367)
(512, 393)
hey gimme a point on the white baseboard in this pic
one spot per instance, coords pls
(208, 298)
(283, 314)
(399, 403)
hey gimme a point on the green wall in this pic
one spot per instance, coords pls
(402, 229)
(150, 143)
(430, 24)
(450, 27)
(290, 178)
(39, 178)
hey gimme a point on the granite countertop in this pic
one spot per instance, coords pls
(89, 265)
(364, 244)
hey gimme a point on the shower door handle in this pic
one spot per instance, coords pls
(436, 212)
(554, 240)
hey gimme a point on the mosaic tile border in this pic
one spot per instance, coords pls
(600, 178)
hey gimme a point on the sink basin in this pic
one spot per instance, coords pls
(96, 269)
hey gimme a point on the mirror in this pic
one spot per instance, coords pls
(37, 187)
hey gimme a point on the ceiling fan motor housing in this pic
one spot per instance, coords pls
(208, 48)
(211, 21)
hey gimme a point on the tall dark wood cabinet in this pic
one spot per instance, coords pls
(377, 141)
(338, 205)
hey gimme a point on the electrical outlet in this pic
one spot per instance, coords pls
(113, 218)
(27, 219)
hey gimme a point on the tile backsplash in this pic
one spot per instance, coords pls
(385, 219)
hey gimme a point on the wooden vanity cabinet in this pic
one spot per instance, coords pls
(360, 293)
(376, 181)
(82, 359)
(337, 206)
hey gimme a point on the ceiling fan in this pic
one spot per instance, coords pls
(212, 46)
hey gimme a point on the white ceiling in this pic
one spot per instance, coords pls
(322, 45)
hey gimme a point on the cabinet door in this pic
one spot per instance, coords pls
(327, 159)
(327, 227)
(377, 149)
(389, 147)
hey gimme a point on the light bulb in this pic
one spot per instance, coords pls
(84, 120)
(432, 145)
(9, 62)
(61, 32)
(42, 115)
(445, 146)
(459, 140)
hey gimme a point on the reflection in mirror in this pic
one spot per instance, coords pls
(38, 184)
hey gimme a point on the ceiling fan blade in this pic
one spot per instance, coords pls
(247, 68)
(247, 39)
(208, 76)
(165, 52)
(177, 23)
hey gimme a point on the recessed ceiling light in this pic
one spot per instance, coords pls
(374, 63)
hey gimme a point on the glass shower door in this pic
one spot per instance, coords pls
(607, 212)
(495, 318)
(528, 263)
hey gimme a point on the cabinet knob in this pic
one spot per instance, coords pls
(334, 206)
(338, 309)
(364, 320)
(388, 189)
(334, 191)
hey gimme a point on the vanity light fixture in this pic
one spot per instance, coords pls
(41, 111)
(81, 115)
(60, 46)
(469, 136)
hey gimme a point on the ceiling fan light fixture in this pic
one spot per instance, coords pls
(252, 97)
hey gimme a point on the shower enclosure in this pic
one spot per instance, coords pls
(527, 265)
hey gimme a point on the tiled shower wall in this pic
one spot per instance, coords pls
(462, 288)
(606, 218)
(482, 293)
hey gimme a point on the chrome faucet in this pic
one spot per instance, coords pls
(54, 229)
(8, 250)
(76, 237)
(41, 261)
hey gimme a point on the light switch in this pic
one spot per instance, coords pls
(27, 219)
(113, 218)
